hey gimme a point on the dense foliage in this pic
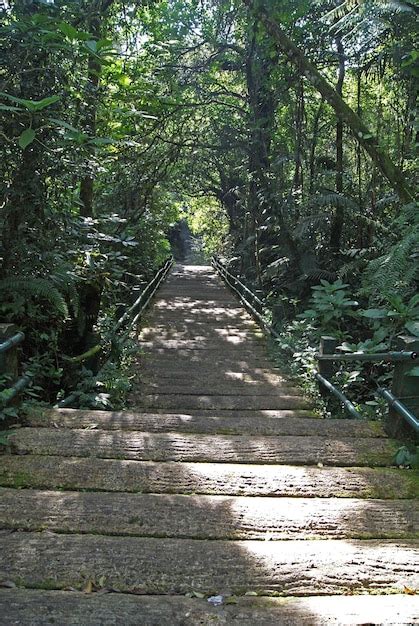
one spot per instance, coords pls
(285, 132)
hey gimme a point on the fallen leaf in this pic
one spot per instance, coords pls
(88, 588)
(231, 600)
(409, 591)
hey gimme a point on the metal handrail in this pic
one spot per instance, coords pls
(398, 406)
(153, 285)
(156, 281)
(267, 328)
(11, 342)
(388, 357)
(338, 394)
(393, 356)
(217, 263)
(16, 388)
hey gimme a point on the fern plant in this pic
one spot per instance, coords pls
(19, 290)
(394, 271)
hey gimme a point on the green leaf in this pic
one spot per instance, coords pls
(407, 457)
(4, 107)
(46, 102)
(374, 313)
(413, 327)
(32, 105)
(4, 436)
(69, 31)
(26, 138)
(63, 124)
(91, 45)
(101, 141)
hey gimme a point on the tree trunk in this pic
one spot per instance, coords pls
(262, 194)
(314, 140)
(394, 175)
(91, 96)
(338, 218)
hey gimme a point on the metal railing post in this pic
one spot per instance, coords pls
(327, 368)
(9, 364)
(404, 387)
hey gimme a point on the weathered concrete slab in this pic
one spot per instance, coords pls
(37, 608)
(183, 402)
(47, 472)
(202, 372)
(200, 332)
(233, 344)
(164, 387)
(207, 517)
(285, 423)
(179, 566)
(308, 450)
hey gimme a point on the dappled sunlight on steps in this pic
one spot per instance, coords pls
(219, 479)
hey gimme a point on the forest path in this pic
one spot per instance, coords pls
(218, 481)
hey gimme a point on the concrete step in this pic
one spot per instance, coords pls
(210, 361)
(180, 320)
(227, 402)
(289, 423)
(233, 388)
(66, 608)
(180, 566)
(183, 402)
(199, 331)
(207, 517)
(203, 372)
(233, 344)
(49, 472)
(142, 446)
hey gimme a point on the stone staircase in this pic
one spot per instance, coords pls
(216, 498)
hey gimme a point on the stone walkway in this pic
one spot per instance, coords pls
(218, 481)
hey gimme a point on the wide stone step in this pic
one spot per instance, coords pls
(199, 332)
(234, 345)
(183, 402)
(38, 607)
(207, 517)
(231, 355)
(48, 472)
(184, 319)
(168, 361)
(209, 307)
(289, 423)
(180, 566)
(141, 446)
(200, 371)
(234, 388)
(203, 372)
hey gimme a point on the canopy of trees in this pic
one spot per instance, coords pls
(285, 133)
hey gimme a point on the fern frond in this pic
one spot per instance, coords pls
(317, 222)
(334, 200)
(395, 271)
(36, 288)
(319, 274)
(68, 288)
